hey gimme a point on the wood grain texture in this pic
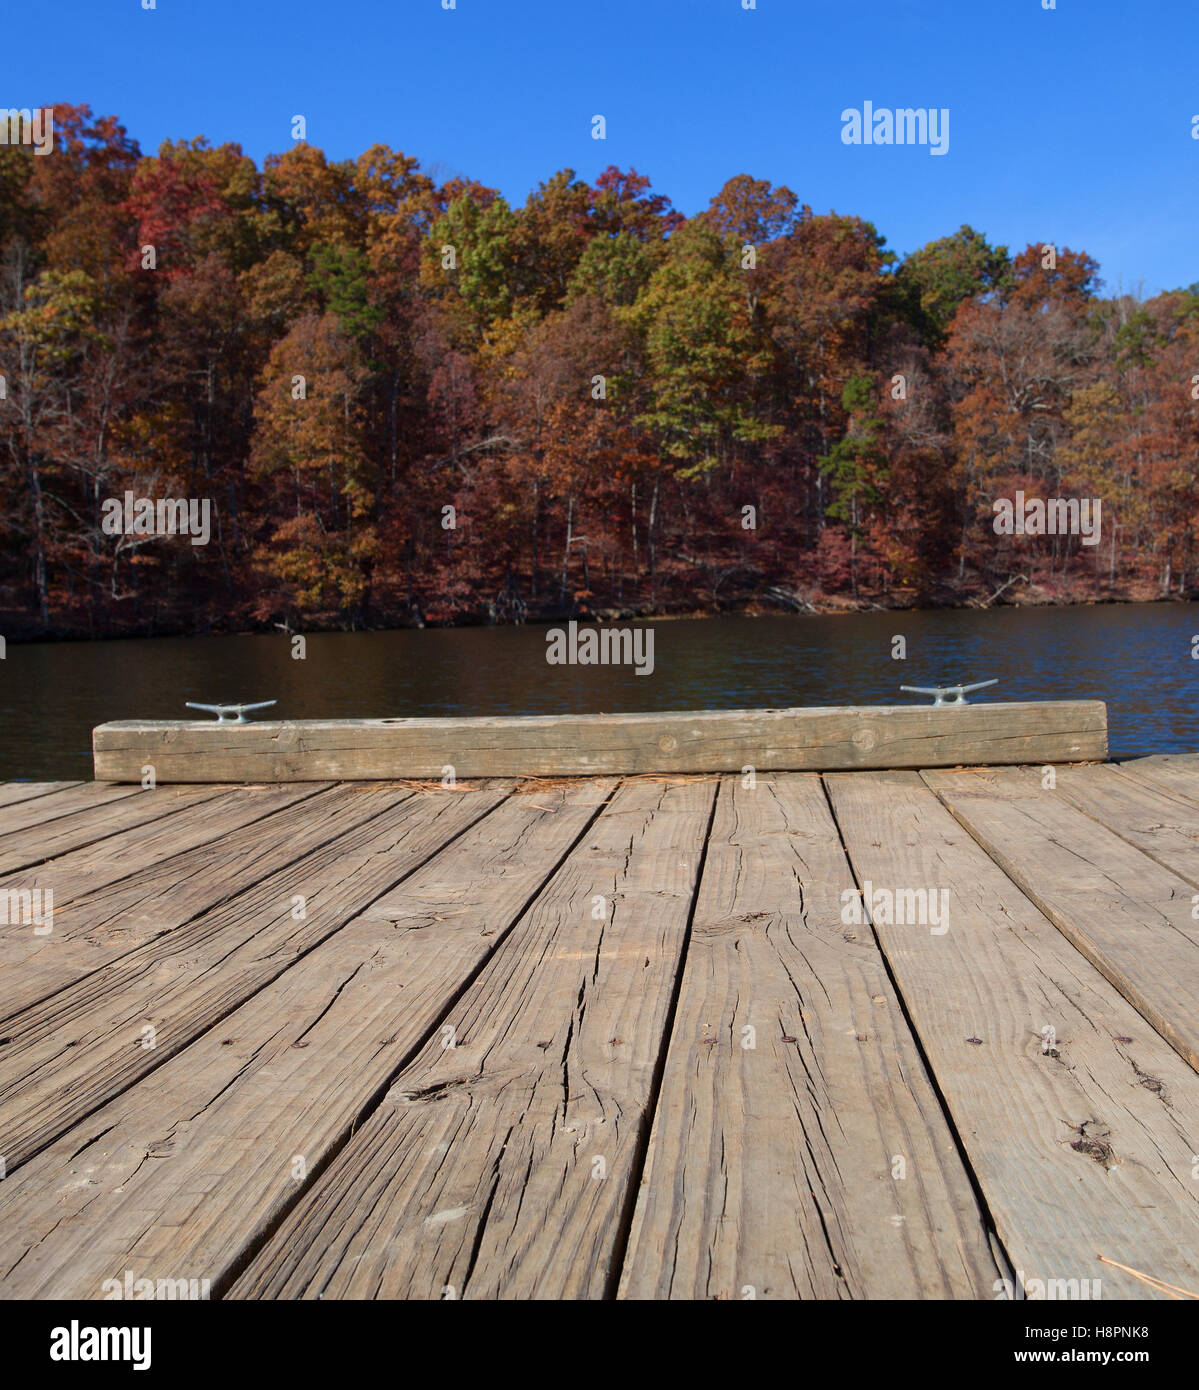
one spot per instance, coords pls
(97, 929)
(1080, 1150)
(1126, 913)
(182, 1174)
(573, 745)
(301, 1130)
(11, 793)
(111, 814)
(23, 813)
(117, 856)
(771, 1166)
(68, 1055)
(1176, 772)
(1161, 823)
(501, 1167)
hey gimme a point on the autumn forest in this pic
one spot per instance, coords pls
(410, 402)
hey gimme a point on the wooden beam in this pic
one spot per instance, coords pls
(770, 740)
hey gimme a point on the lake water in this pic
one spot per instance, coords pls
(1136, 657)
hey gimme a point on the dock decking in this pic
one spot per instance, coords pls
(607, 1037)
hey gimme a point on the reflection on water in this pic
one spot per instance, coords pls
(1136, 657)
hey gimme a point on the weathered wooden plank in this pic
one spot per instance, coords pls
(239, 1121)
(100, 927)
(118, 856)
(773, 1166)
(1081, 1140)
(13, 792)
(1128, 915)
(570, 745)
(64, 1057)
(1161, 823)
(1177, 772)
(500, 1167)
(109, 816)
(73, 797)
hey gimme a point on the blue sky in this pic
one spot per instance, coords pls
(1071, 126)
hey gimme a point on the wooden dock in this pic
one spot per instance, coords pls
(614, 1037)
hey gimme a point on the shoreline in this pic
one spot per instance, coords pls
(795, 605)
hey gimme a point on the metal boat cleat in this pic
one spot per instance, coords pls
(225, 714)
(948, 694)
